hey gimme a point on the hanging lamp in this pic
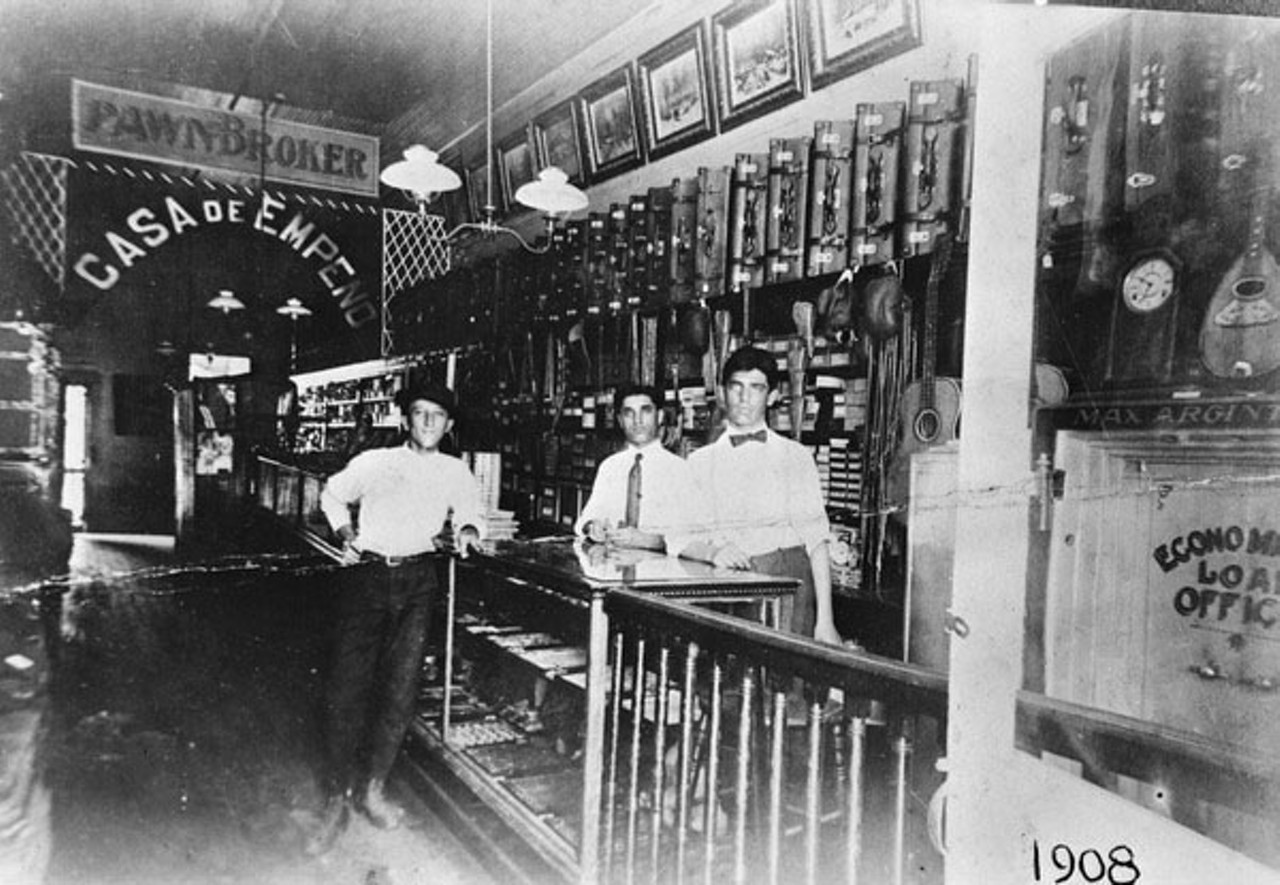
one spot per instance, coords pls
(423, 176)
(225, 301)
(293, 308)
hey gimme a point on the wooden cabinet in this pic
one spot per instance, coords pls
(518, 712)
(931, 528)
(1156, 207)
(1162, 587)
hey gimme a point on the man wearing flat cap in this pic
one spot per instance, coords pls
(402, 498)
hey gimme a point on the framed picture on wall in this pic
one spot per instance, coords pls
(456, 203)
(676, 92)
(556, 138)
(610, 124)
(515, 166)
(758, 63)
(847, 36)
(476, 180)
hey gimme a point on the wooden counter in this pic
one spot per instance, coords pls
(570, 581)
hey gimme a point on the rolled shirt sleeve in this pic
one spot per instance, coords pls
(467, 508)
(341, 491)
(804, 499)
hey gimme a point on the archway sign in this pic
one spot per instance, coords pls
(139, 237)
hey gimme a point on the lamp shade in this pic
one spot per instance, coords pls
(293, 308)
(552, 194)
(226, 301)
(420, 173)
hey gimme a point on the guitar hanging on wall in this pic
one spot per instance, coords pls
(931, 405)
(1240, 335)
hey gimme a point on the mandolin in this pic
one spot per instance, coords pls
(931, 405)
(1239, 337)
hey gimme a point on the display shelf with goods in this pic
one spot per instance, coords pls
(334, 404)
(516, 691)
(662, 293)
(28, 393)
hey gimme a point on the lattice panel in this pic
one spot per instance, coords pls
(35, 195)
(414, 249)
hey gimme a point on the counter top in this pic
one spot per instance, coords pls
(571, 565)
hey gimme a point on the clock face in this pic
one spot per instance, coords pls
(840, 551)
(1148, 284)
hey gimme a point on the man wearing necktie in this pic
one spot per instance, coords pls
(641, 495)
(766, 499)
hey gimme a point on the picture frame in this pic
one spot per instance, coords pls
(514, 162)
(611, 125)
(475, 181)
(676, 92)
(456, 204)
(847, 36)
(759, 67)
(557, 141)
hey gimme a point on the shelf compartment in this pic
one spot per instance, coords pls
(545, 832)
(522, 759)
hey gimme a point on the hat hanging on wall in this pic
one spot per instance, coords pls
(882, 306)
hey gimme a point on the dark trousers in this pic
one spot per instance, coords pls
(383, 614)
(800, 612)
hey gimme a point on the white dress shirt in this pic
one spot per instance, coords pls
(404, 497)
(669, 504)
(763, 496)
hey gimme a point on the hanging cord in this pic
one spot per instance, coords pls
(490, 208)
(488, 226)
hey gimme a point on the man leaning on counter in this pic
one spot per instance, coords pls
(643, 496)
(403, 497)
(765, 495)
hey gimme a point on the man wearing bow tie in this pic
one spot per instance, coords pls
(766, 498)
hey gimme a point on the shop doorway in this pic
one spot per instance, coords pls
(205, 438)
(75, 451)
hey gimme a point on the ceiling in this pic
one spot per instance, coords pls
(411, 70)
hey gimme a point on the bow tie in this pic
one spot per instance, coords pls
(740, 438)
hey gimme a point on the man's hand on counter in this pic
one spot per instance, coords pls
(597, 530)
(603, 531)
(729, 556)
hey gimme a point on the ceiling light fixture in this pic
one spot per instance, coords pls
(423, 176)
(293, 308)
(226, 301)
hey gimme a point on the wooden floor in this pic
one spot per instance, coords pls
(182, 742)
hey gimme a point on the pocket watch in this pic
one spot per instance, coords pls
(1149, 283)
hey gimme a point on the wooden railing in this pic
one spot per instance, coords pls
(827, 792)
(761, 757)
(839, 747)
(292, 494)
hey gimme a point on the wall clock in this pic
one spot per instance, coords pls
(1150, 282)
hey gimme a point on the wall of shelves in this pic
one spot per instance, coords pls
(330, 411)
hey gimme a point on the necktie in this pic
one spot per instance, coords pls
(633, 493)
(740, 438)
